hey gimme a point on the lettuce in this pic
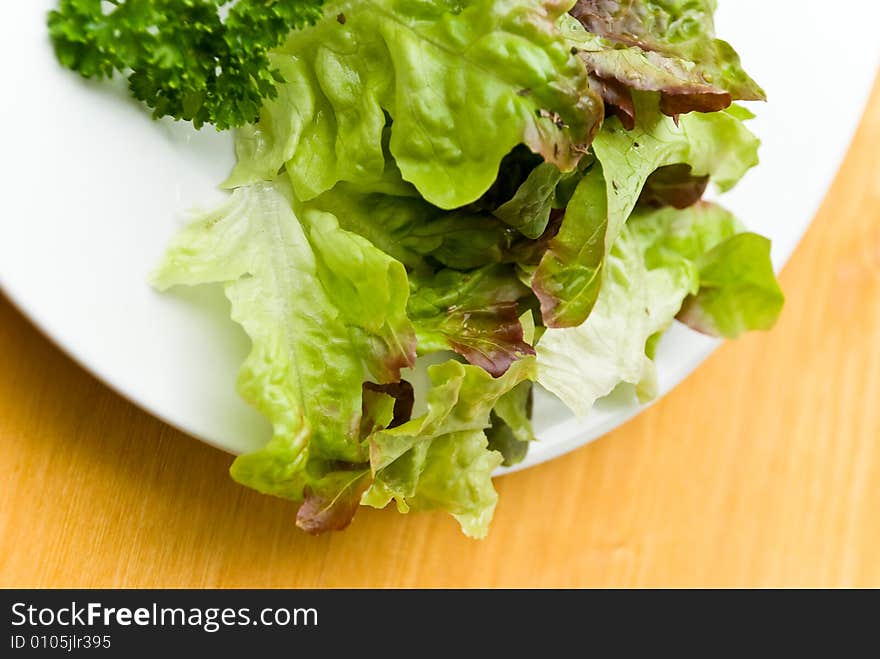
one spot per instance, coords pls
(674, 185)
(441, 460)
(738, 290)
(665, 46)
(511, 431)
(717, 145)
(663, 259)
(415, 232)
(325, 311)
(462, 88)
(528, 211)
(432, 180)
(472, 313)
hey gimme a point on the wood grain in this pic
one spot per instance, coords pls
(762, 469)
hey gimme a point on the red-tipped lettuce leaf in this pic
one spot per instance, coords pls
(473, 313)
(718, 145)
(331, 504)
(666, 46)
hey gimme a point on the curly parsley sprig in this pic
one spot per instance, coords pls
(181, 57)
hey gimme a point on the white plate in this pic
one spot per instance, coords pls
(93, 190)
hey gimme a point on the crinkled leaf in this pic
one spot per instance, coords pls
(666, 46)
(515, 409)
(503, 440)
(582, 364)
(529, 210)
(738, 290)
(333, 497)
(385, 220)
(657, 262)
(331, 503)
(673, 236)
(716, 145)
(441, 460)
(463, 86)
(325, 311)
(473, 313)
(511, 430)
(411, 230)
(402, 395)
(569, 276)
(515, 168)
(527, 254)
(461, 239)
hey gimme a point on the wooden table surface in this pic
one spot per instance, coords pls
(762, 469)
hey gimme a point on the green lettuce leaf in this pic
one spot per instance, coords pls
(330, 502)
(659, 261)
(462, 85)
(472, 313)
(738, 290)
(402, 396)
(511, 431)
(569, 275)
(515, 168)
(582, 364)
(415, 232)
(666, 46)
(529, 210)
(717, 145)
(325, 311)
(502, 439)
(441, 460)
(331, 498)
(515, 409)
